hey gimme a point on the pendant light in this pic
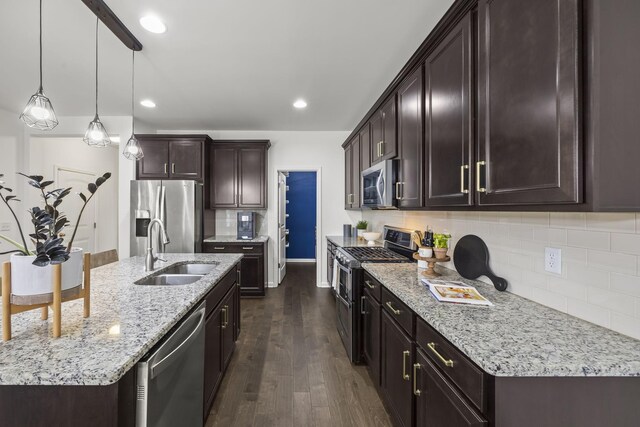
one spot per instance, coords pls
(133, 150)
(39, 113)
(96, 135)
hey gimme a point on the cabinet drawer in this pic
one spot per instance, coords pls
(372, 286)
(233, 248)
(398, 311)
(470, 379)
(216, 294)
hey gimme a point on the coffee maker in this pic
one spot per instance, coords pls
(247, 225)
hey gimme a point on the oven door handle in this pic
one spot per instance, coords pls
(344, 301)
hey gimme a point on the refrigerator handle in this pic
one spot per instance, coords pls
(162, 213)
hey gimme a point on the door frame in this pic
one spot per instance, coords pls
(319, 251)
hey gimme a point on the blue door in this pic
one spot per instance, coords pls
(301, 210)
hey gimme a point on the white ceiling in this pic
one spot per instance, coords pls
(222, 64)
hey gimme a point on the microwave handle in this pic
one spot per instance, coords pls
(380, 187)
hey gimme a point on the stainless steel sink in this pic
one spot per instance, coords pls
(170, 279)
(194, 268)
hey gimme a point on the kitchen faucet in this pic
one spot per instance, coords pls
(149, 259)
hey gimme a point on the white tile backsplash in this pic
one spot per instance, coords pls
(600, 280)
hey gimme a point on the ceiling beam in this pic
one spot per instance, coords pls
(111, 20)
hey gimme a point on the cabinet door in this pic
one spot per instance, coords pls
(186, 159)
(365, 147)
(355, 174)
(438, 403)
(410, 146)
(396, 375)
(371, 311)
(213, 366)
(529, 102)
(252, 274)
(377, 135)
(228, 334)
(252, 191)
(449, 119)
(389, 146)
(224, 175)
(155, 163)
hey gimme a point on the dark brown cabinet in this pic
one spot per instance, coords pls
(410, 145)
(173, 157)
(529, 127)
(438, 402)
(396, 377)
(238, 177)
(371, 311)
(228, 326)
(365, 147)
(253, 265)
(352, 174)
(448, 104)
(383, 132)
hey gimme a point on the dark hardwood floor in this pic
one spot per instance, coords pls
(290, 368)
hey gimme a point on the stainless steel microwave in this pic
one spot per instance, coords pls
(378, 183)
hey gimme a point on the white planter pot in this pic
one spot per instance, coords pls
(28, 280)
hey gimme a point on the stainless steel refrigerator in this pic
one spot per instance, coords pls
(178, 204)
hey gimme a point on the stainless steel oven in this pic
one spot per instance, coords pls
(378, 184)
(346, 316)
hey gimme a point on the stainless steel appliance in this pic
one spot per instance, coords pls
(247, 225)
(171, 379)
(178, 205)
(378, 186)
(398, 247)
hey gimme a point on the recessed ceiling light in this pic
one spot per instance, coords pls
(300, 103)
(153, 24)
(148, 103)
(115, 139)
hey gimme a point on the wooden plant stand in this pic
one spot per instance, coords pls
(9, 309)
(431, 262)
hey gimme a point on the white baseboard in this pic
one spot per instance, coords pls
(271, 285)
(310, 260)
(324, 285)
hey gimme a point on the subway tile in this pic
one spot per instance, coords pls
(582, 273)
(520, 232)
(568, 220)
(558, 236)
(509, 217)
(541, 234)
(531, 278)
(612, 261)
(535, 218)
(521, 261)
(520, 289)
(589, 239)
(625, 243)
(589, 312)
(603, 221)
(567, 288)
(614, 301)
(626, 284)
(550, 299)
(627, 325)
(533, 248)
(638, 222)
(570, 253)
(488, 216)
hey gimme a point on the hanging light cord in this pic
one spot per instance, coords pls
(133, 77)
(40, 46)
(97, 21)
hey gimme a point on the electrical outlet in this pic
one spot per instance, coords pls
(553, 260)
(5, 226)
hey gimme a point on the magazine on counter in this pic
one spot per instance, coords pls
(456, 292)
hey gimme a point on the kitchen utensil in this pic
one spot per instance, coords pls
(471, 259)
(371, 237)
(346, 230)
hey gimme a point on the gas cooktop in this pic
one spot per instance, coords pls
(375, 254)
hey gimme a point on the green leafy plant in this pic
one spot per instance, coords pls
(48, 222)
(441, 240)
(362, 225)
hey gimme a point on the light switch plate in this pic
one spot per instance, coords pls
(553, 260)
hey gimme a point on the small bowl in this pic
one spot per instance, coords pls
(371, 237)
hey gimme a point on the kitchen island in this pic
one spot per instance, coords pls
(95, 358)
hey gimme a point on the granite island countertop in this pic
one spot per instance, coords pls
(514, 337)
(351, 242)
(126, 321)
(234, 239)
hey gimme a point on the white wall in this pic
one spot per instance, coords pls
(296, 151)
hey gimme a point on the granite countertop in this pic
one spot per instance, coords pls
(514, 337)
(126, 321)
(234, 239)
(351, 242)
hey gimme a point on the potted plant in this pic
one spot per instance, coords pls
(441, 244)
(361, 227)
(31, 272)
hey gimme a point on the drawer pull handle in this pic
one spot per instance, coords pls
(416, 390)
(224, 317)
(218, 248)
(362, 305)
(247, 248)
(405, 376)
(368, 283)
(447, 362)
(393, 310)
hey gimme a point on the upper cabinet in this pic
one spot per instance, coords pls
(352, 170)
(448, 105)
(383, 132)
(529, 127)
(173, 157)
(238, 177)
(410, 144)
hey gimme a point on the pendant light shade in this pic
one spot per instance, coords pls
(96, 135)
(39, 113)
(133, 150)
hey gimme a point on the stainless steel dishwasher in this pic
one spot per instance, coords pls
(171, 378)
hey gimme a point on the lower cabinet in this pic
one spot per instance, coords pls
(252, 266)
(397, 360)
(227, 326)
(371, 311)
(438, 402)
